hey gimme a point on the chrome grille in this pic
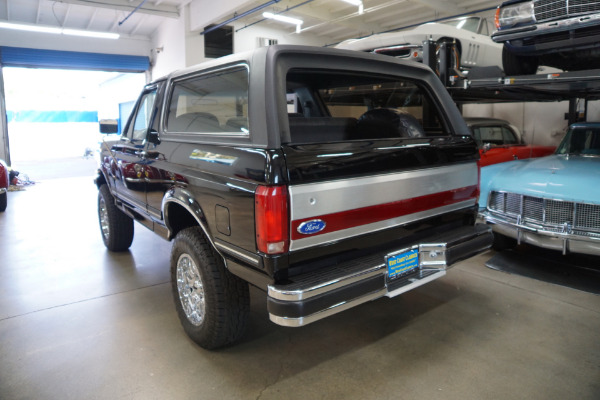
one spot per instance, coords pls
(588, 216)
(533, 208)
(552, 215)
(546, 10)
(559, 212)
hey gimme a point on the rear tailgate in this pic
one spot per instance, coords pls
(347, 190)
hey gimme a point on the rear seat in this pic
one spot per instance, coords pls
(320, 129)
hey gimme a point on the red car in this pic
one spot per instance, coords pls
(3, 185)
(499, 142)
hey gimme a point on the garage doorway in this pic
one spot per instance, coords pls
(53, 115)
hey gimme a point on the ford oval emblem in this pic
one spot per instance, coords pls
(311, 227)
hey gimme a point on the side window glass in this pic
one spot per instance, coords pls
(139, 126)
(509, 136)
(215, 103)
(491, 134)
(477, 135)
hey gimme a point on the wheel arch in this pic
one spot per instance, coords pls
(181, 211)
(452, 39)
(100, 179)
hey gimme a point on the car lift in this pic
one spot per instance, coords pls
(489, 85)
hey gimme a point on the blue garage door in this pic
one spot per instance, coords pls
(37, 58)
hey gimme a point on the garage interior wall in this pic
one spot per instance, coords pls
(178, 43)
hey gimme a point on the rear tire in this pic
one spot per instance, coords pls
(518, 65)
(115, 226)
(3, 201)
(212, 304)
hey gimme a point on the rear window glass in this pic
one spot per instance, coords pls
(214, 103)
(325, 106)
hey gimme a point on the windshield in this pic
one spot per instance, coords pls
(469, 24)
(581, 141)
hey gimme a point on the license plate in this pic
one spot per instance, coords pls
(402, 263)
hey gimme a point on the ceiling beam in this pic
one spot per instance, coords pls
(344, 20)
(66, 15)
(129, 6)
(89, 24)
(39, 12)
(442, 7)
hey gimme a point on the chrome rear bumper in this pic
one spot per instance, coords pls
(331, 290)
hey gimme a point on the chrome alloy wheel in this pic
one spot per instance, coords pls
(191, 290)
(103, 212)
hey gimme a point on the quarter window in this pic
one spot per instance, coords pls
(216, 103)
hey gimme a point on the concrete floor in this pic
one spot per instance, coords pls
(77, 322)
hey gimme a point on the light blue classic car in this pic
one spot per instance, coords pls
(551, 202)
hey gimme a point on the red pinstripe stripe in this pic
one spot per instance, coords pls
(381, 212)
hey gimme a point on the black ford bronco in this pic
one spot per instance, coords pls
(325, 177)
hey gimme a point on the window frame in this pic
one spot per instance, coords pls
(128, 132)
(206, 75)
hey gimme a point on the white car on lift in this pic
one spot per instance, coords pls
(474, 47)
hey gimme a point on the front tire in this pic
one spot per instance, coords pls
(3, 201)
(518, 65)
(212, 304)
(116, 227)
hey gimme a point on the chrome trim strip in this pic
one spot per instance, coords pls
(294, 322)
(376, 226)
(239, 254)
(549, 27)
(495, 219)
(296, 295)
(314, 200)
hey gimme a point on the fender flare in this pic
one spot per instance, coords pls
(185, 199)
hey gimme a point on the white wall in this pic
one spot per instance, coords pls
(540, 123)
(184, 45)
(169, 46)
(206, 12)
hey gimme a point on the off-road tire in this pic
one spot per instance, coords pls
(518, 65)
(116, 227)
(212, 304)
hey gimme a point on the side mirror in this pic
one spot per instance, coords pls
(153, 137)
(487, 147)
(108, 126)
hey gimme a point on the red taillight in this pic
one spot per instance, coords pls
(272, 219)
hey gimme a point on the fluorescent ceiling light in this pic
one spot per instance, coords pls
(58, 31)
(283, 18)
(100, 35)
(357, 3)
